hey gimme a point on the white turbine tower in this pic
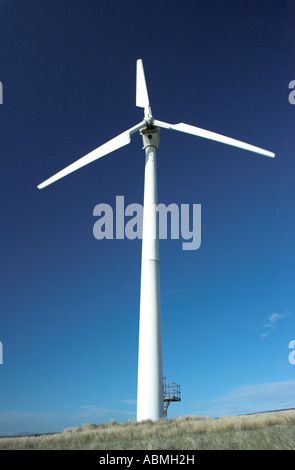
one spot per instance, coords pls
(150, 369)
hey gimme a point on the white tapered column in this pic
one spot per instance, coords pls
(150, 368)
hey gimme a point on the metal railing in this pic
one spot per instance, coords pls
(171, 392)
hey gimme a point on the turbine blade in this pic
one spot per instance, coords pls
(108, 147)
(142, 97)
(213, 136)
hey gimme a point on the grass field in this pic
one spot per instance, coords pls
(265, 431)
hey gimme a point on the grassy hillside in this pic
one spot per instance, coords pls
(264, 431)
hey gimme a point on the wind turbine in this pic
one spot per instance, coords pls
(150, 369)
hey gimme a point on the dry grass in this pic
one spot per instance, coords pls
(267, 431)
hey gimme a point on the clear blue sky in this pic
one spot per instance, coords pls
(69, 305)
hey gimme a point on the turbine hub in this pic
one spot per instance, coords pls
(149, 120)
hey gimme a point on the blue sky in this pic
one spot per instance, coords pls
(69, 306)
